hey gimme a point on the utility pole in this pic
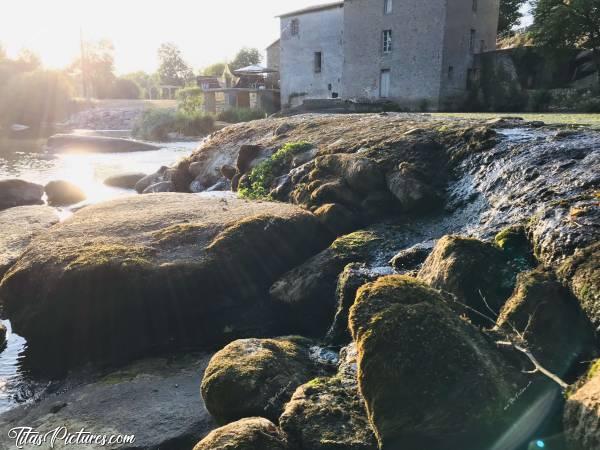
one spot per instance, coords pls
(84, 74)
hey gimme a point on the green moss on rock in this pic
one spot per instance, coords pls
(429, 379)
(256, 377)
(247, 434)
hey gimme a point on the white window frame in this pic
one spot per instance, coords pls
(388, 6)
(387, 42)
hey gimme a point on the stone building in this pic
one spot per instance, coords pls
(416, 53)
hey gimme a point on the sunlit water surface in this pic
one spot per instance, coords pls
(26, 159)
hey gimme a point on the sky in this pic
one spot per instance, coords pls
(205, 31)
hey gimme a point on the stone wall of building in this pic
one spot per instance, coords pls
(416, 57)
(318, 31)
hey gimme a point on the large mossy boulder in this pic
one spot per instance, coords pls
(18, 227)
(544, 314)
(582, 413)
(139, 274)
(581, 273)
(253, 433)
(309, 290)
(257, 377)
(430, 379)
(15, 192)
(480, 275)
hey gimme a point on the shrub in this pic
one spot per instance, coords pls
(190, 100)
(237, 115)
(260, 180)
(156, 124)
(540, 101)
(590, 105)
(35, 99)
(124, 88)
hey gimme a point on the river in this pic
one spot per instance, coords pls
(26, 159)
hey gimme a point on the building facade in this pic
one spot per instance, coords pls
(416, 53)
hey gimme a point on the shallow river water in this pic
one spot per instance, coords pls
(26, 159)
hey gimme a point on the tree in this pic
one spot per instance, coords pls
(28, 60)
(125, 89)
(568, 24)
(510, 15)
(246, 57)
(147, 82)
(173, 69)
(214, 70)
(97, 68)
(2, 52)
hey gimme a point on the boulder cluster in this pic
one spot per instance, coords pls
(375, 282)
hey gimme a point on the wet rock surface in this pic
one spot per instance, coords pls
(156, 400)
(125, 180)
(63, 193)
(181, 270)
(581, 419)
(65, 143)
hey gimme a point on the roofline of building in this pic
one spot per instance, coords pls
(312, 9)
(274, 43)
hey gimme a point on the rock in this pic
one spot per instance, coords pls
(163, 186)
(412, 258)
(235, 182)
(247, 155)
(196, 169)
(328, 414)
(15, 192)
(257, 377)
(337, 219)
(308, 291)
(164, 270)
(452, 265)
(223, 185)
(63, 193)
(151, 179)
(411, 189)
(2, 336)
(228, 171)
(196, 187)
(550, 320)
(581, 419)
(582, 273)
(19, 226)
(354, 276)
(154, 399)
(125, 180)
(414, 351)
(61, 143)
(248, 434)
(283, 129)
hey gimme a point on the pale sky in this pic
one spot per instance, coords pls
(206, 31)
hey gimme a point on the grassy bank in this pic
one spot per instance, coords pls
(591, 120)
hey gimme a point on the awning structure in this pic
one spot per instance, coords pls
(254, 70)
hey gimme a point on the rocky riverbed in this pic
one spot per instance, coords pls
(382, 281)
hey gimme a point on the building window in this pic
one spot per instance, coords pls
(451, 72)
(387, 41)
(384, 83)
(472, 41)
(318, 62)
(388, 5)
(295, 27)
(475, 5)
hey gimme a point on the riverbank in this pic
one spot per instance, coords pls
(415, 254)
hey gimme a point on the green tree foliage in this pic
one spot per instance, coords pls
(246, 57)
(568, 23)
(148, 83)
(35, 98)
(214, 70)
(190, 100)
(173, 69)
(510, 16)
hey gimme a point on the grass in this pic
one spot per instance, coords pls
(579, 119)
